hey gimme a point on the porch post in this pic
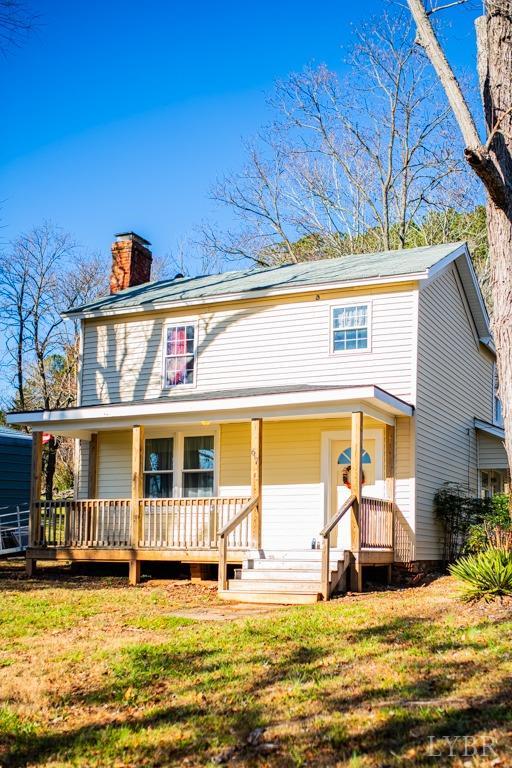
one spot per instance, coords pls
(390, 462)
(93, 467)
(137, 457)
(356, 481)
(390, 483)
(35, 495)
(256, 479)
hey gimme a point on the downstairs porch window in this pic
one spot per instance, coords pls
(180, 355)
(198, 466)
(158, 468)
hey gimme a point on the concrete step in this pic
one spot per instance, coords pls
(279, 598)
(274, 585)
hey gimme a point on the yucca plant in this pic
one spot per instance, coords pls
(485, 575)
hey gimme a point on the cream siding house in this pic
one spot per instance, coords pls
(248, 418)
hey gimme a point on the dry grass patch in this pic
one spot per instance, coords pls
(99, 674)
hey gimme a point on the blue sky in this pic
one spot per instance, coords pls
(120, 115)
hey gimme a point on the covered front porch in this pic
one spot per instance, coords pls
(247, 477)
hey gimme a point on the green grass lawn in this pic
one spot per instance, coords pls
(95, 673)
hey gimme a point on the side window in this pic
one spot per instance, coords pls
(350, 328)
(497, 409)
(179, 355)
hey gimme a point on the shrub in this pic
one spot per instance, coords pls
(485, 575)
(459, 512)
(495, 529)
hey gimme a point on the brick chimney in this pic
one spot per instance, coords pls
(131, 261)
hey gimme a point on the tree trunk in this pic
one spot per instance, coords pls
(51, 460)
(492, 163)
(499, 226)
(494, 33)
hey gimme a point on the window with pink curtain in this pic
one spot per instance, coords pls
(179, 355)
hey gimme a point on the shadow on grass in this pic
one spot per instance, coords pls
(424, 729)
(231, 681)
(110, 738)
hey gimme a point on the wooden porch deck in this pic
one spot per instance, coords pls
(185, 529)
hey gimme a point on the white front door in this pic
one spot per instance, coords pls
(338, 478)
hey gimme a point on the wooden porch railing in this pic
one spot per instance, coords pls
(191, 523)
(229, 529)
(326, 544)
(84, 523)
(376, 523)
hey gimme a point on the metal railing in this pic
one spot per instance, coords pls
(14, 524)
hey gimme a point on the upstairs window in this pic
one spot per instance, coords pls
(180, 355)
(350, 328)
(497, 409)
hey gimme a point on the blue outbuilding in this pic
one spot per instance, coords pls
(15, 463)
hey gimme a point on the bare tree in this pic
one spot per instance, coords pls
(16, 20)
(491, 160)
(41, 274)
(347, 165)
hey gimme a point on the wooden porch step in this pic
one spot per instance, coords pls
(274, 585)
(283, 565)
(292, 575)
(278, 598)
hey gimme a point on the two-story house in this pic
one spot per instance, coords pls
(287, 423)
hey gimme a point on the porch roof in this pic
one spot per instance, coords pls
(493, 430)
(225, 405)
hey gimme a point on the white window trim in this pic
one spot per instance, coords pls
(369, 314)
(179, 455)
(176, 324)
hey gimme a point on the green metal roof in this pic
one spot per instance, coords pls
(286, 277)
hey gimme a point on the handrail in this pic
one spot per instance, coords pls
(335, 519)
(223, 540)
(230, 526)
(326, 544)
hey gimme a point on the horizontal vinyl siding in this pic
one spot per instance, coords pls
(454, 386)
(265, 342)
(404, 489)
(114, 465)
(491, 452)
(293, 488)
(293, 492)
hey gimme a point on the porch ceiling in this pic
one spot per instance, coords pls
(224, 406)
